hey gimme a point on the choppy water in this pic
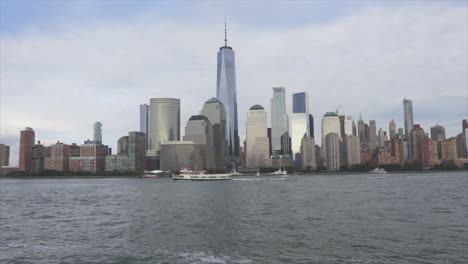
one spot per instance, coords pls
(399, 218)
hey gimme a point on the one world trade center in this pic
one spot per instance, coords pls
(226, 93)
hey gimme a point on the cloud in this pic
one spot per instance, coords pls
(61, 81)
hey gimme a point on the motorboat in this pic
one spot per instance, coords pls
(378, 171)
(281, 171)
(153, 174)
(200, 175)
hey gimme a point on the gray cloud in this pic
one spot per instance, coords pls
(61, 82)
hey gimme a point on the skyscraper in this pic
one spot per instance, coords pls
(4, 155)
(392, 129)
(362, 132)
(164, 123)
(330, 124)
(98, 132)
(308, 153)
(27, 137)
(438, 132)
(200, 131)
(372, 135)
(257, 139)
(144, 120)
(465, 137)
(348, 126)
(214, 110)
(279, 123)
(300, 121)
(226, 93)
(332, 151)
(408, 115)
(311, 125)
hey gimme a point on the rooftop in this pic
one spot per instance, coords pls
(330, 114)
(198, 117)
(212, 100)
(256, 107)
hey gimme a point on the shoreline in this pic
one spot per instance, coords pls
(234, 176)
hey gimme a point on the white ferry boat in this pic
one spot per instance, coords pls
(192, 175)
(281, 171)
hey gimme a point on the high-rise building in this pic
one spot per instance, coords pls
(144, 121)
(408, 119)
(59, 159)
(438, 132)
(4, 155)
(214, 110)
(311, 126)
(449, 149)
(131, 154)
(362, 132)
(308, 153)
(98, 132)
(423, 151)
(164, 123)
(330, 124)
(300, 121)
(226, 93)
(348, 126)
(465, 137)
(353, 150)
(91, 157)
(373, 142)
(392, 129)
(27, 138)
(332, 151)
(200, 131)
(382, 137)
(279, 122)
(257, 152)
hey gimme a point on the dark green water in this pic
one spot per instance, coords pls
(395, 218)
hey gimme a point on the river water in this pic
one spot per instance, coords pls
(359, 218)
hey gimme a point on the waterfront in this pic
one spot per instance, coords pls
(356, 218)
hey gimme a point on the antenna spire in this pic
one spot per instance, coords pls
(225, 33)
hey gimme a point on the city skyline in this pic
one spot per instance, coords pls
(119, 112)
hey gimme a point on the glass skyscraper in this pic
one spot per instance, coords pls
(300, 121)
(164, 123)
(279, 123)
(226, 93)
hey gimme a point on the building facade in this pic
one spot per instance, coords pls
(408, 119)
(373, 142)
(353, 150)
(200, 131)
(214, 110)
(164, 123)
(4, 155)
(279, 122)
(332, 151)
(91, 159)
(300, 126)
(392, 129)
(438, 132)
(176, 155)
(27, 138)
(308, 153)
(257, 143)
(330, 124)
(226, 92)
(131, 154)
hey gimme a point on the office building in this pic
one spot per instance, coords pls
(331, 125)
(308, 153)
(332, 151)
(392, 129)
(200, 131)
(144, 122)
(98, 132)
(438, 132)
(4, 155)
(164, 123)
(279, 123)
(131, 154)
(408, 122)
(353, 150)
(311, 126)
(300, 122)
(176, 155)
(257, 143)
(373, 142)
(214, 110)
(362, 132)
(226, 93)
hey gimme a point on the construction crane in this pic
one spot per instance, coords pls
(337, 109)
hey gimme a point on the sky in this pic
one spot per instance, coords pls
(66, 64)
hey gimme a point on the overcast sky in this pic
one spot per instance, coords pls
(67, 64)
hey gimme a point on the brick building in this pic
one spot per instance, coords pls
(4, 155)
(27, 138)
(91, 158)
(59, 158)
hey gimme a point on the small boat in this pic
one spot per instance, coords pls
(193, 175)
(258, 173)
(378, 171)
(281, 171)
(153, 174)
